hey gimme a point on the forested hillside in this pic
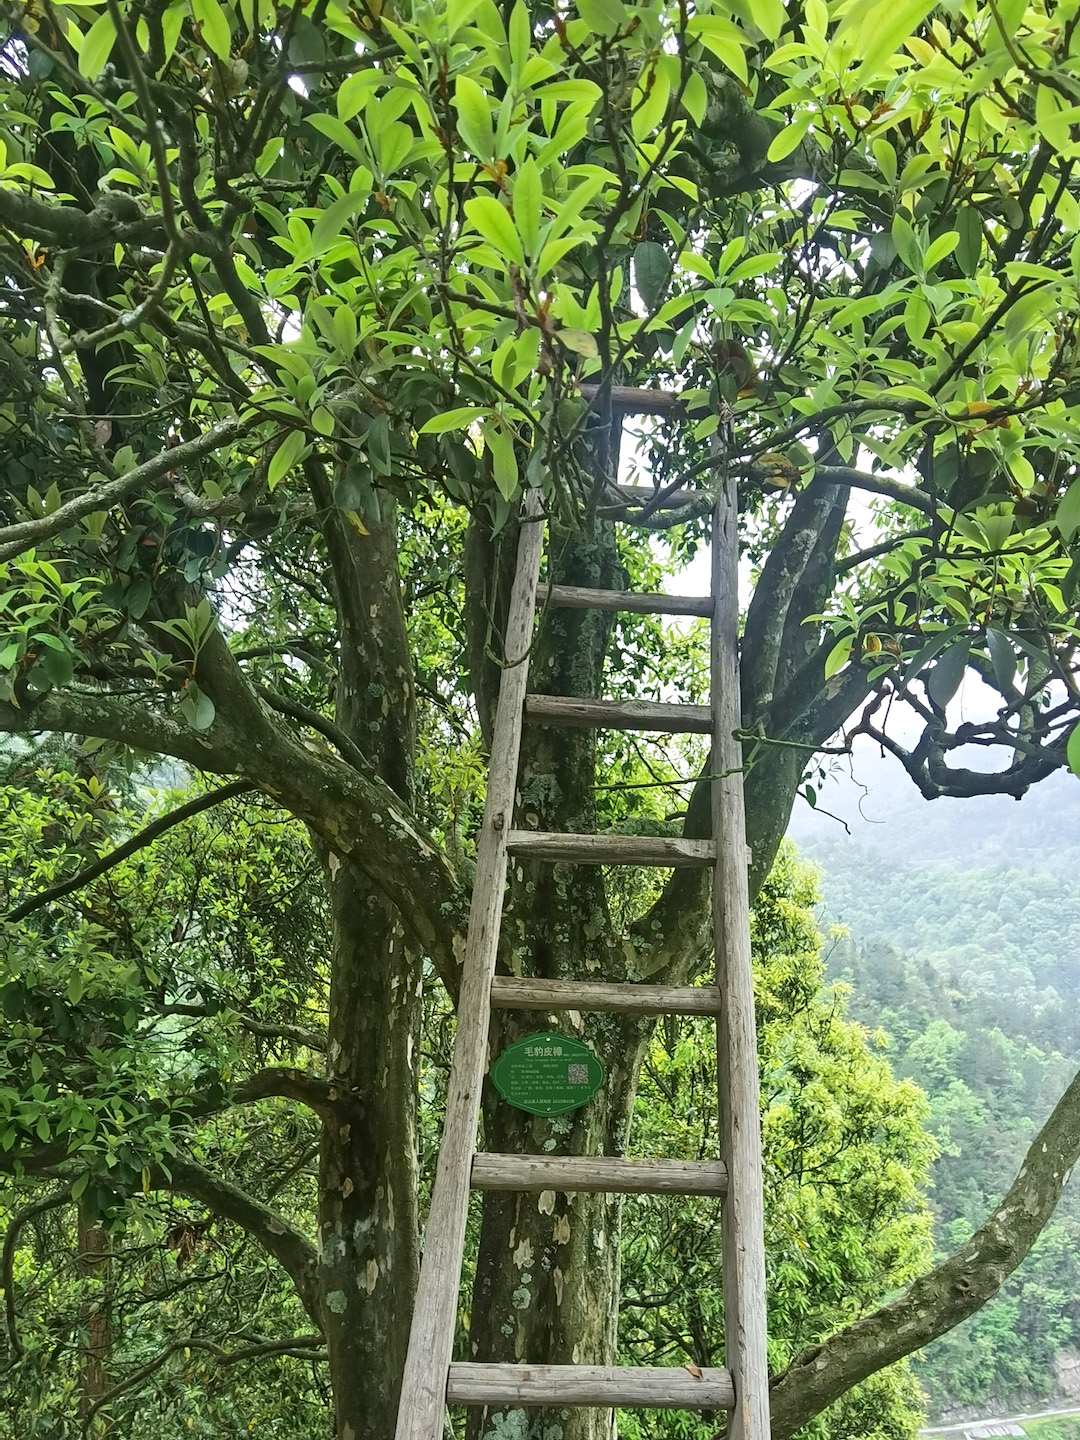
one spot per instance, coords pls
(963, 946)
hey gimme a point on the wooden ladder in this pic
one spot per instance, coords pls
(432, 1378)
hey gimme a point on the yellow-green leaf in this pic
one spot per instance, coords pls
(493, 222)
(213, 27)
(97, 46)
(288, 454)
(579, 341)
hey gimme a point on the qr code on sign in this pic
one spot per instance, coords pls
(577, 1074)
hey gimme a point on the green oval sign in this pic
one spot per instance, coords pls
(547, 1074)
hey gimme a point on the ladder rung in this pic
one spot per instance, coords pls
(508, 992)
(619, 714)
(634, 400)
(598, 1174)
(657, 1387)
(574, 597)
(611, 849)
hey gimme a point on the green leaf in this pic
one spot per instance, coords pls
(329, 224)
(474, 118)
(753, 266)
(1067, 518)
(885, 156)
(459, 419)
(769, 16)
(939, 248)
(335, 130)
(969, 249)
(603, 17)
(838, 656)
(907, 244)
(213, 26)
(356, 90)
(197, 708)
(884, 28)
(527, 200)
(1002, 658)
(1072, 751)
(789, 139)
(493, 222)
(579, 341)
(725, 40)
(287, 454)
(944, 679)
(652, 272)
(503, 460)
(97, 46)
(58, 666)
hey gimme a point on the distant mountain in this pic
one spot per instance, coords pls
(963, 945)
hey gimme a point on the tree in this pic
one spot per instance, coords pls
(299, 300)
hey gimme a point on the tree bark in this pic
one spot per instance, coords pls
(547, 1280)
(95, 1264)
(939, 1300)
(369, 1257)
(369, 1183)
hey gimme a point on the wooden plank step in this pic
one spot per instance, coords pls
(598, 1174)
(635, 400)
(576, 597)
(618, 714)
(611, 849)
(508, 992)
(655, 1387)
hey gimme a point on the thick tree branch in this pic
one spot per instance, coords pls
(283, 1082)
(138, 841)
(349, 752)
(934, 777)
(14, 539)
(946, 1295)
(66, 224)
(359, 817)
(878, 485)
(292, 1250)
(767, 618)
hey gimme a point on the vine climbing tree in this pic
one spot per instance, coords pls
(297, 300)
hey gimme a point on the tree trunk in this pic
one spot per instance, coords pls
(368, 1193)
(548, 1274)
(95, 1266)
(547, 1281)
(368, 1216)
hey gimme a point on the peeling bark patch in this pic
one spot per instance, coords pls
(546, 1203)
(560, 1231)
(523, 1254)
(370, 1277)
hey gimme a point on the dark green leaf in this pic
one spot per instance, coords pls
(1003, 659)
(944, 680)
(968, 251)
(652, 271)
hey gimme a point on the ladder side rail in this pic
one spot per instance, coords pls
(743, 1209)
(423, 1392)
